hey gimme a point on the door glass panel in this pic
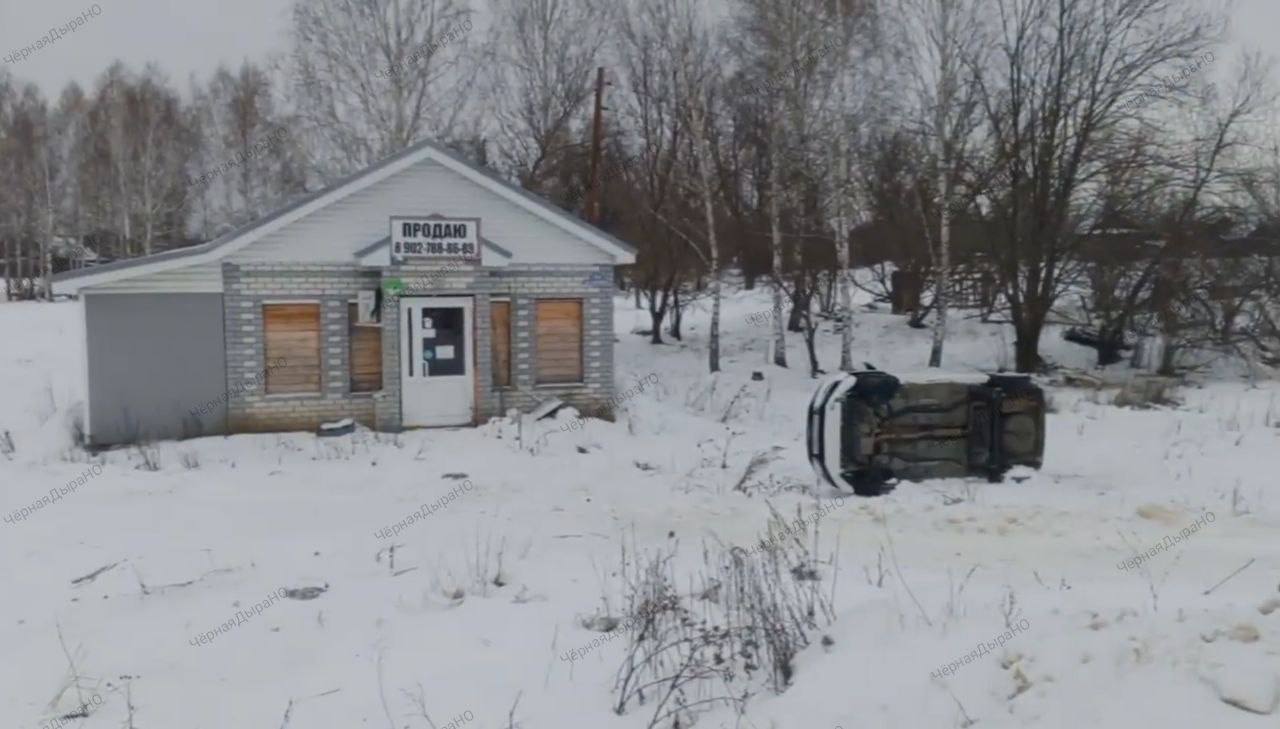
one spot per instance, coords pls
(443, 341)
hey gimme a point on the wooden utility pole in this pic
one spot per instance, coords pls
(594, 193)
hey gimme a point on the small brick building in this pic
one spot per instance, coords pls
(419, 292)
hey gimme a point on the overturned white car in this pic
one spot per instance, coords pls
(867, 430)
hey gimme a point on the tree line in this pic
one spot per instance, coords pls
(810, 146)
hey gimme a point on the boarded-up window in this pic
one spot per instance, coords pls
(500, 327)
(559, 340)
(365, 343)
(292, 333)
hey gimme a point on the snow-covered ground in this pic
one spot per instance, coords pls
(484, 604)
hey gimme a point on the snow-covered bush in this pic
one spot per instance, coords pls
(741, 629)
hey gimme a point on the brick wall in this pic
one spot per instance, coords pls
(249, 286)
(246, 289)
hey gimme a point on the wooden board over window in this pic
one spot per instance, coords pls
(559, 346)
(292, 335)
(365, 342)
(500, 327)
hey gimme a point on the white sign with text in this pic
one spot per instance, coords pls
(415, 239)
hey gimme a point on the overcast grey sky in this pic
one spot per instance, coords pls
(185, 36)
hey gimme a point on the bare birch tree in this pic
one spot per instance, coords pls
(30, 174)
(159, 145)
(693, 49)
(51, 166)
(69, 124)
(854, 63)
(774, 44)
(945, 42)
(248, 159)
(8, 204)
(541, 61)
(111, 158)
(374, 76)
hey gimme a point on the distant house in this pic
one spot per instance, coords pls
(1114, 241)
(1118, 240)
(901, 249)
(69, 254)
(421, 291)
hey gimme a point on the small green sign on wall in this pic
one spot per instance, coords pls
(393, 286)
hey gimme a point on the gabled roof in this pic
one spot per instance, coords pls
(239, 238)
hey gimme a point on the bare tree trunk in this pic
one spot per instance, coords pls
(1027, 347)
(714, 340)
(811, 344)
(148, 231)
(775, 249)
(801, 300)
(119, 152)
(942, 278)
(24, 289)
(657, 312)
(126, 230)
(1168, 357)
(827, 299)
(842, 256)
(8, 268)
(656, 315)
(677, 316)
(147, 164)
(702, 160)
(46, 252)
(946, 42)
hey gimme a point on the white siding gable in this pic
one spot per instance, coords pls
(334, 234)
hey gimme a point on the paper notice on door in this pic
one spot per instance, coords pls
(429, 333)
(444, 351)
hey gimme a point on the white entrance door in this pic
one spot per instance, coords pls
(437, 366)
